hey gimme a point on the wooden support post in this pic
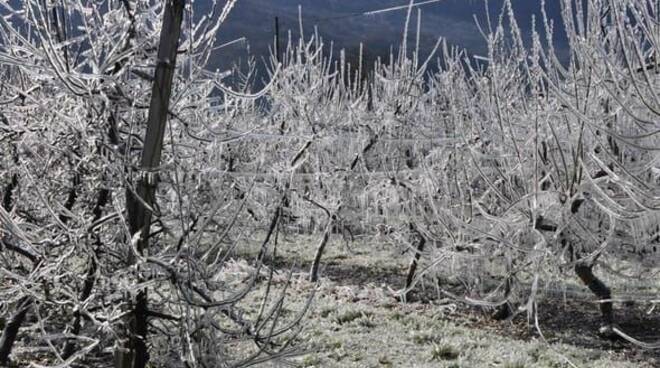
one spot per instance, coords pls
(139, 214)
(277, 39)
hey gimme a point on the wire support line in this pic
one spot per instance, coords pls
(346, 137)
(374, 12)
(341, 173)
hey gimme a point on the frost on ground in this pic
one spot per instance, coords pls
(356, 320)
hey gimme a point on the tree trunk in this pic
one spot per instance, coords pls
(10, 332)
(412, 268)
(314, 271)
(601, 290)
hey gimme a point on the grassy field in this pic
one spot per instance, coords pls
(355, 320)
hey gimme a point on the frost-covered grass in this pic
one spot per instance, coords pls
(347, 331)
(355, 321)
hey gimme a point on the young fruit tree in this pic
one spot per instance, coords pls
(556, 165)
(114, 237)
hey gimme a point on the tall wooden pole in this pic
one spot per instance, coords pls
(277, 39)
(139, 214)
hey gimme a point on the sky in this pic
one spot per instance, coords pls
(336, 20)
(453, 20)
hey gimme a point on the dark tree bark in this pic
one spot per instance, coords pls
(314, 271)
(599, 288)
(10, 332)
(412, 268)
(139, 214)
(7, 196)
(88, 286)
(9, 192)
(71, 197)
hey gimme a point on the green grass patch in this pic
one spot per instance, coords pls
(350, 316)
(444, 351)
